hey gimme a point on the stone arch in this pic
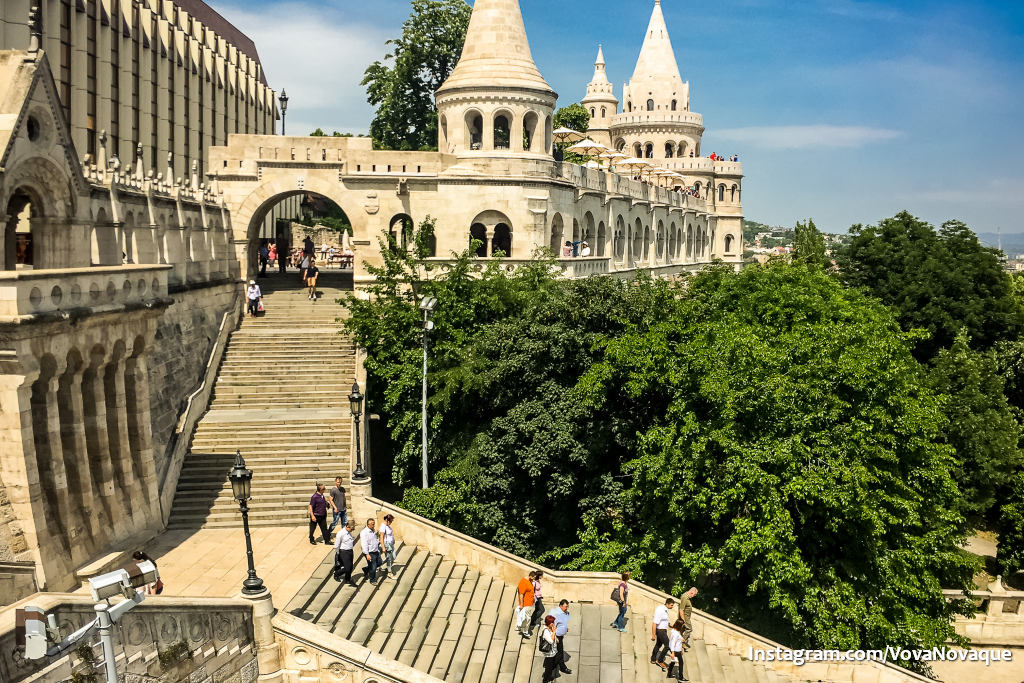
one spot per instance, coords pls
(604, 112)
(650, 105)
(672, 240)
(689, 255)
(400, 231)
(721, 192)
(24, 209)
(576, 237)
(681, 149)
(646, 253)
(442, 129)
(474, 122)
(502, 240)
(556, 235)
(602, 237)
(670, 149)
(649, 150)
(548, 135)
(696, 187)
(659, 241)
(730, 243)
(589, 229)
(734, 193)
(478, 232)
(593, 112)
(531, 122)
(501, 128)
(674, 104)
(49, 455)
(636, 244)
(620, 145)
(638, 150)
(485, 227)
(629, 106)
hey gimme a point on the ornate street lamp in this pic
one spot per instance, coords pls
(427, 305)
(355, 402)
(241, 487)
(283, 99)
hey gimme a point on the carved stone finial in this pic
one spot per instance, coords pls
(35, 28)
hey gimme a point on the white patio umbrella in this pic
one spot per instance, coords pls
(564, 135)
(588, 148)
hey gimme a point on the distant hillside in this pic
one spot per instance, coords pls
(1013, 243)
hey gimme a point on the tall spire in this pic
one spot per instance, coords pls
(657, 61)
(496, 52)
(600, 76)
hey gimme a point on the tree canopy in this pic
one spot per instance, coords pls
(937, 281)
(809, 245)
(766, 435)
(402, 86)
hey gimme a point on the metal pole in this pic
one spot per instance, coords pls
(360, 473)
(253, 584)
(425, 343)
(106, 641)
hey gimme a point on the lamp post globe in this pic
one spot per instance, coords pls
(355, 402)
(283, 99)
(241, 488)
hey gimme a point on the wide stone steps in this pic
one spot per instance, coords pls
(281, 398)
(456, 623)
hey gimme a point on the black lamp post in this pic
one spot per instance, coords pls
(283, 99)
(241, 487)
(355, 401)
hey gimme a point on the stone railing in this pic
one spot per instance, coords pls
(568, 267)
(595, 587)
(36, 292)
(168, 638)
(605, 182)
(999, 619)
(658, 116)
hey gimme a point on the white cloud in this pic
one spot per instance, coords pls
(807, 137)
(318, 55)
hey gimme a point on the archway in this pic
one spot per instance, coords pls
(530, 124)
(637, 243)
(494, 230)
(602, 237)
(556, 235)
(659, 245)
(502, 131)
(400, 232)
(478, 232)
(502, 241)
(619, 245)
(474, 129)
(19, 240)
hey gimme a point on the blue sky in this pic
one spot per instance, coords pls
(841, 110)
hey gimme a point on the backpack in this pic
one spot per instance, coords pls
(617, 596)
(543, 645)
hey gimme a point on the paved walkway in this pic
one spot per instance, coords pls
(212, 563)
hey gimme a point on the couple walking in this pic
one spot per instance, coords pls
(672, 640)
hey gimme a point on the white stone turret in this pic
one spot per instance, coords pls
(600, 102)
(495, 102)
(656, 83)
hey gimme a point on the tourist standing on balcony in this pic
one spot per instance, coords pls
(343, 556)
(585, 250)
(685, 610)
(659, 633)
(622, 592)
(387, 541)
(550, 648)
(567, 249)
(524, 603)
(675, 646)
(337, 500)
(318, 514)
(561, 615)
(371, 550)
(538, 602)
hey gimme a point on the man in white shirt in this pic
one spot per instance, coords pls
(371, 550)
(659, 633)
(254, 294)
(343, 556)
(585, 250)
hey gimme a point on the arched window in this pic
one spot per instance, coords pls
(19, 238)
(400, 231)
(556, 235)
(732, 194)
(502, 240)
(629, 106)
(474, 129)
(649, 151)
(593, 112)
(604, 112)
(502, 135)
(650, 105)
(602, 236)
(638, 151)
(721, 193)
(729, 241)
(681, 149)
(673, 105)
(696, 187)
(530, 122)
(478, 232)
(620, 145)
(619, 239)
(668, 150)
(443, 128)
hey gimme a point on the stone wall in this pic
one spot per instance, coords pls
(185, 335)
(200, 640)
(17, 580)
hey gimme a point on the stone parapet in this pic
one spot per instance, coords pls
(27, 293)
(999, 620)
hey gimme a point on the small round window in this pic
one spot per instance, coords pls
(32, 127)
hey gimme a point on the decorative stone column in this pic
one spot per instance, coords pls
(93, 512)
(489, 238)
(268, 652)
(128, 480)
(99, 452)
(59, 476)
(141, 435)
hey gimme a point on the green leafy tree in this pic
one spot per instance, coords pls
(938, 281)
(982, 427)
(809, 245)
(575, 117)
(1011, 528)
(402, 86)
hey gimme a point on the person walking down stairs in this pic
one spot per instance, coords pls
(318, 515)
(524, 604)
(371, 550)
(549, 647)
(343, 557)
(387, 542)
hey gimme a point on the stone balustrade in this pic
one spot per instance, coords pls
(603, 181)
(999, 619)
(656, 117)
(35, 292)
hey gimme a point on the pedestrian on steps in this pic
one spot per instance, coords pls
(549, 647)
(685, 612)
(675, 646)
(561, 615)
(620, 595)
(538, 602)
(311, 274)
(254, 295)
(659, 633)
(371, 550)
(264, 257)
(337, 500)
(524, 603)
(318, 514)
(387, 541)
(343, 556)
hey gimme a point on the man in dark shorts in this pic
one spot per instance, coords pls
(310, 277)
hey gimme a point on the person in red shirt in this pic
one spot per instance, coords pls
(524, 602)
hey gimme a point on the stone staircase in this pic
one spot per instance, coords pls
(281, 397)
(454, 623)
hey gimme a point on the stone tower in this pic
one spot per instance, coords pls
(495, 102)
(656, 121)
(600, 102)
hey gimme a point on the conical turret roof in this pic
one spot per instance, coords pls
(600, 76)
(496, 52)
(657, 62)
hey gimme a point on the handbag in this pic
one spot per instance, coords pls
(259, 306)
(617, 596)
(544, 646)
